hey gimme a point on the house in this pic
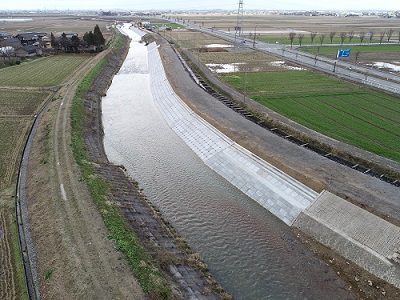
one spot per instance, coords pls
(11, 42)
(28, 51)
(45, 42)
(70, 35)
(27, 38)
(30, 38)
(5, 35)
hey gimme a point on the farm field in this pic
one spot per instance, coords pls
(42, 72)
(275, 25)
(276, 28)
(354, 48)
(57, 24)
(362, 118)
(12, 135)
(21, 103)
(343, 111)
(23, 93)
(17, 109)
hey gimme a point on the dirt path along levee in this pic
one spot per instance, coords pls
(75, 260)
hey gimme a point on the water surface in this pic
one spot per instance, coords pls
(251, 253)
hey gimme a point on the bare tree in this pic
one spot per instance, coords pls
(332, 35)
(343, 36)
(7, 52)
(322, 37)
(362, 36)
(300, 37)
(351, 35)
(399, 36)
(356, 56)
(371, 35)
(389, 34)
(381, 36)
(312, 36)
(291, 38)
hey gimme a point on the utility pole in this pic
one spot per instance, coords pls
(255, 33)
(245, 87)
(239, 23)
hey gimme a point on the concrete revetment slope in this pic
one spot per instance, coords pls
(281, 194)
(356, 234)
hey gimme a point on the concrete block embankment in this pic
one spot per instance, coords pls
(281, 194)
(356, 234)
(367, 240)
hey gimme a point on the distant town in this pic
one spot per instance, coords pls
(342, 13)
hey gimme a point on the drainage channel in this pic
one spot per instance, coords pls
(245, 113)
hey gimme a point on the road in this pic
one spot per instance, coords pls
(386, 81)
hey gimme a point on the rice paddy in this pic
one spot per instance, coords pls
(363, 118)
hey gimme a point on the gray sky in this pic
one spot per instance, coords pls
(203, 4)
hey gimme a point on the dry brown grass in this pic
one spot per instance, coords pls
(56, 24)
(321, 24)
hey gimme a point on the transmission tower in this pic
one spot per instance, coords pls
(239, 23)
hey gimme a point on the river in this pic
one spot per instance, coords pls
(253, 254)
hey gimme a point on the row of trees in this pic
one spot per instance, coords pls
(343, 36)
(92, 41)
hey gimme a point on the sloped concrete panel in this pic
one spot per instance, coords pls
(369, 241)
(276, 191)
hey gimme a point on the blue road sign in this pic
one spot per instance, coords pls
(343, 53)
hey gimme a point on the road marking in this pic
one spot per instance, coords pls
(64, 195)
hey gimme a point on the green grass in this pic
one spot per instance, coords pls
(285, 82)
(143, 266)
(48, 274)
(354, 49)
(119, 41)
(42, 72)
(172, 25)
(19, 102)
(366, 119)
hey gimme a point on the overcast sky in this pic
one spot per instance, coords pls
(203, 4)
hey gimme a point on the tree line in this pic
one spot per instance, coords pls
(370, 35)
(93, 41)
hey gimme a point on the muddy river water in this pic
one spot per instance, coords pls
(250, 252)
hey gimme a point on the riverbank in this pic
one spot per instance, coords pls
(184, 270)
(230, 125)
(74, 258)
